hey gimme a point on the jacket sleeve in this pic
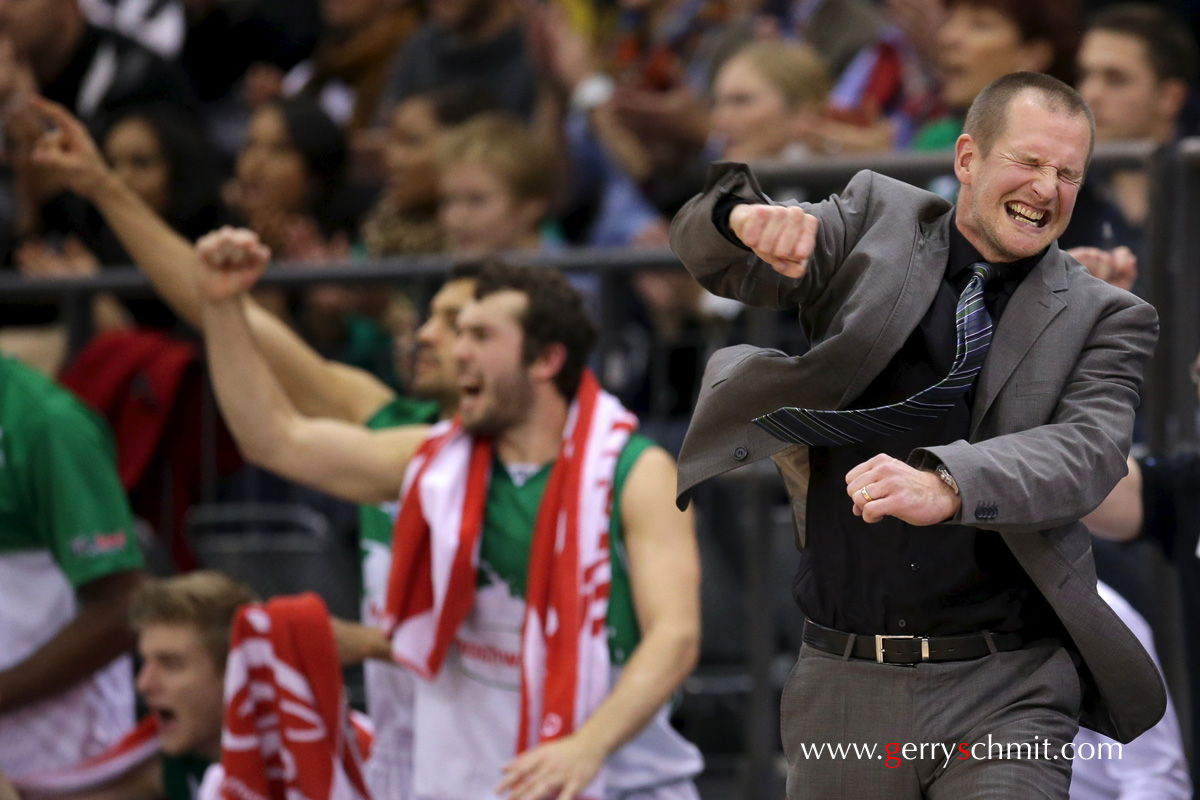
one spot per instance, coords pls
(1058, 472)
(730, 270)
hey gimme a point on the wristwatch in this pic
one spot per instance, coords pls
(946, 477)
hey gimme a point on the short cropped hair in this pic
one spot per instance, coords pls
(205, 599)
(1058, 22)
(1170, 47)
(988, 115)
(501, 143)
(554, 314)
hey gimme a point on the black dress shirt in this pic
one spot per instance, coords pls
(891, 577)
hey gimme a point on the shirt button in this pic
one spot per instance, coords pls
(914, 566)
(740, 453)
(901, 623)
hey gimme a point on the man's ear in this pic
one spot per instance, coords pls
(549, 362)
(966, 152)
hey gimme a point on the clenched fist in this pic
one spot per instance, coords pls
(782, 236)
(231, 261)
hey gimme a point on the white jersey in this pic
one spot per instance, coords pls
(467, 731)
(37, 601)
(389, 691)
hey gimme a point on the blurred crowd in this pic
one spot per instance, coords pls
(342, 132)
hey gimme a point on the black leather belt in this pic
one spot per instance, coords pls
(908, 649)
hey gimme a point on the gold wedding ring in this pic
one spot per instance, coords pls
(865, 496)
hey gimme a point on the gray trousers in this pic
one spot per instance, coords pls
(966, 714)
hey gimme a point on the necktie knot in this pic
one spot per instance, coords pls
(983, 271)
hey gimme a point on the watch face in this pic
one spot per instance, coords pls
(947, 478)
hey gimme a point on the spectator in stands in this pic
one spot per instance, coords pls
(182, 625)
(496, 183)
(183, 638)
(69, 564)
(288, 181)
(1159, 499)
(47, 46)
(92, 71)
(766, 100)
(404, 221)
(478, 42)
(982, 40)
(289, 188)
(639, 99)
(170, 166)
(887, 90)
(1152, 765)
(349, 69)
(1137, 64)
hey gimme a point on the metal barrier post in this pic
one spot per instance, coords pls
(1179, 336)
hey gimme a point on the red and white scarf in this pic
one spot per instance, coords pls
(132, 751)
(288, 732)
(431, 588)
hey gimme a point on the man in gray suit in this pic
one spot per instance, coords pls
(947, 585)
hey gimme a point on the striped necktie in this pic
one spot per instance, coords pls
(973, 327)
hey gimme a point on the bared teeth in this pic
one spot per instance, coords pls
(1025, 212)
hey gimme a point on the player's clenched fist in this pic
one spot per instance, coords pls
(782, 236)
(231, 262)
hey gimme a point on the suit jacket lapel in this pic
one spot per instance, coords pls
(1033, 305)
(926, 268)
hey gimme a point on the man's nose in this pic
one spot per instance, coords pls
(425, 333)
(145, 680)
(1045, 184)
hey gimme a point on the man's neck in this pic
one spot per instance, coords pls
(538, 439)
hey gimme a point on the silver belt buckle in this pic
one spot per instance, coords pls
(879, 646)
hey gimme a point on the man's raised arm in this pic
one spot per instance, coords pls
(338, 457)
(739, 244)
(316, 386)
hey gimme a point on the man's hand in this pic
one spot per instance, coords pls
(894, 489)
(231, 262)
(67, 155)
(782, 236)
(1116, 267)
(563, 54)
(560, 769)
(356, 642)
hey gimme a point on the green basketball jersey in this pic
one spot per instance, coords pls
(375, 522)
(509, 516)
(182, 775)
(59, 488)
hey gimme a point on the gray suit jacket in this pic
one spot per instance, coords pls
(1053, 410)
